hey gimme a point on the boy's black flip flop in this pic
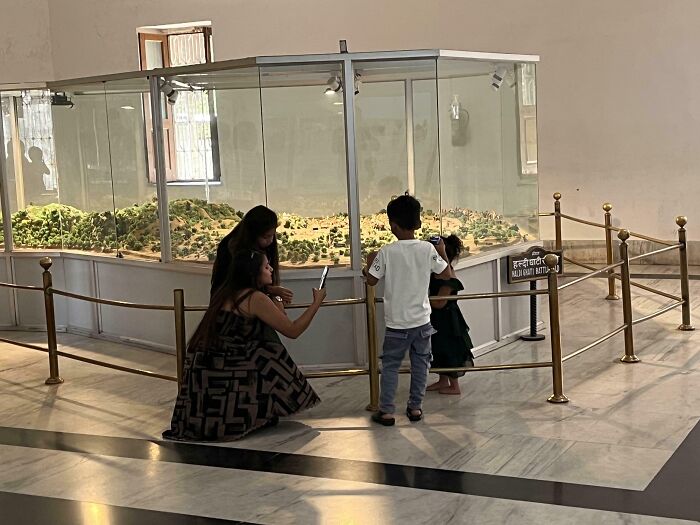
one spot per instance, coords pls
(377, 417)
(414, 417)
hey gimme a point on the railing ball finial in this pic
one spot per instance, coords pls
(607, 207)
(557, 196)
(681, 220)
(623, 235)
(551, 260)
(46, 263)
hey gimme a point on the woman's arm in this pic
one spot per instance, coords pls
(262, 307)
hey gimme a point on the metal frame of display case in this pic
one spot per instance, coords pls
(346, 60)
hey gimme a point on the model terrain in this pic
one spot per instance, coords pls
(197, 227)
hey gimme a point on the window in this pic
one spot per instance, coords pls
(528, 119)
(189, 120)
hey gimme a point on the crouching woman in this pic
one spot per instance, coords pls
(238, 376)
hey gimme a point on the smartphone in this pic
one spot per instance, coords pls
(324, 274)
(435, 239)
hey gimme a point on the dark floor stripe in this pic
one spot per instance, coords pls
(23, 509)
(664, 497)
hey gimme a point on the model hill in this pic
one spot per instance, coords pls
(197, 226)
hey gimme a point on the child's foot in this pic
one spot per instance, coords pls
(442, 383)
(452, 390)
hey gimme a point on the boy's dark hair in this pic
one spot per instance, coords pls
(404, 210)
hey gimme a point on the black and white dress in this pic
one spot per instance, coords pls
(243, 381)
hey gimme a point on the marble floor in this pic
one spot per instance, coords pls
(620, 451)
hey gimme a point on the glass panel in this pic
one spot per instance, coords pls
(83, 158)
(304, 139)
(482, 197)
(396, 130)
(5, 146)
(201, 214)
(135, 200)
(31, 171)
(519, 125)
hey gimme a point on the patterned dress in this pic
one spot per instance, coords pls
(451, 345)
(243, 381)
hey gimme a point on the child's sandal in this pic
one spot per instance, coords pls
(378, 417)
(414, 417)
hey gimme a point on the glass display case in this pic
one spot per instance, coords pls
(101, 173)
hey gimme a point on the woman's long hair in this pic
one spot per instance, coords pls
(244, 236)
(243, 274)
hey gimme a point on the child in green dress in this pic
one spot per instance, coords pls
(451, 345)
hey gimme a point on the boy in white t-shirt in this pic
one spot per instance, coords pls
(405, 266)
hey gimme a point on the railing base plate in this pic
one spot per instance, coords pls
(612, 297)
(686, 327)
(53, 381)
(629, 359)
(536, 337)
(558, 399)
(371, 408)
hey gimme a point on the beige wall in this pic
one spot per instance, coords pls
(619, 113)
(25, 41)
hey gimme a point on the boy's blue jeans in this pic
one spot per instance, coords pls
(396, 343)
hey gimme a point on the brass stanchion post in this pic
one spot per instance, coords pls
(629, 356)
(180, 335)
(557, 221)
(687, 324)
(372, 354)
(612, 295)
(54, 376)
(557, 396)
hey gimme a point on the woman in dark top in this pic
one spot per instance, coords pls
(238, 376)
(451, 345)
(256, 231)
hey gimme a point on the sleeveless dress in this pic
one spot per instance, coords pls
(243, 381)
(451, 345)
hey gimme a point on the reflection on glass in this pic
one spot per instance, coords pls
(484, 200)
(396, 130)
(304, 141)
(32, 173)
(83, 160)
(135, 200)
(201, 214)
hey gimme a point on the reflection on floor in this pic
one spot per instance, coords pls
(498, 453)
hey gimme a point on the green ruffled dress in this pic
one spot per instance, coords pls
(451, 345)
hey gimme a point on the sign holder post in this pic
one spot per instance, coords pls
(533, 335)
(529, 266)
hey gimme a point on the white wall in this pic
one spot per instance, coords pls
(619, 113)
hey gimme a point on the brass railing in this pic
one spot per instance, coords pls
(624, 276)
(179, 309)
